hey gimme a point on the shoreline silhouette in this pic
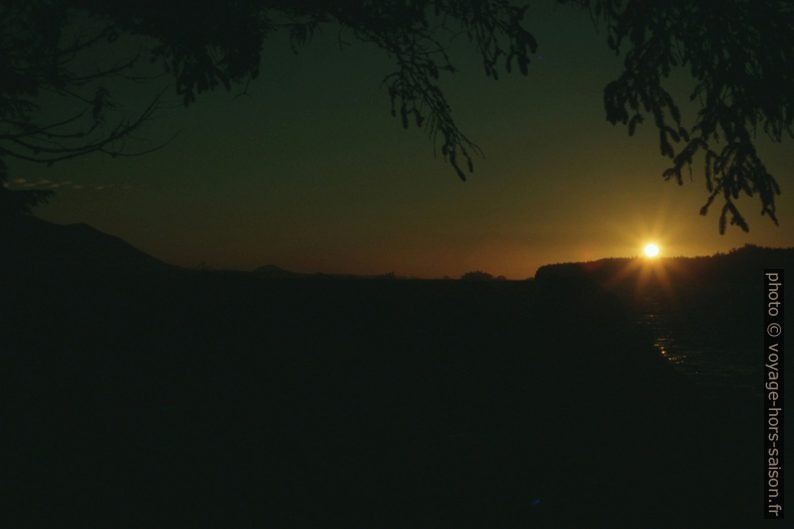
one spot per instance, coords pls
(148, 392)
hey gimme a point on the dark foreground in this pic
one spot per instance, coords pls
(154, 397)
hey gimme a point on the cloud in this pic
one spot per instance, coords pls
(46, 183)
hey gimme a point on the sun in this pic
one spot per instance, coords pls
(651, 250)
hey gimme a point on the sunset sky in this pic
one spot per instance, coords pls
(309, 171)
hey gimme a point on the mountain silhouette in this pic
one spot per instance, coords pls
(33, 245)
(271, 270)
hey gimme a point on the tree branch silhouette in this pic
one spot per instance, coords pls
(218, 44)
(738, 53)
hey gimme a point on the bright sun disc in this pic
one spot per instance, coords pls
(651, 250)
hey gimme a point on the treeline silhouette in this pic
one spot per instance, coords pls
(739, 265)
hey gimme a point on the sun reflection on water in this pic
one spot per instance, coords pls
(662, 346)
(692, 354)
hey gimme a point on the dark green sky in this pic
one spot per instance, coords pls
(310, 172)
